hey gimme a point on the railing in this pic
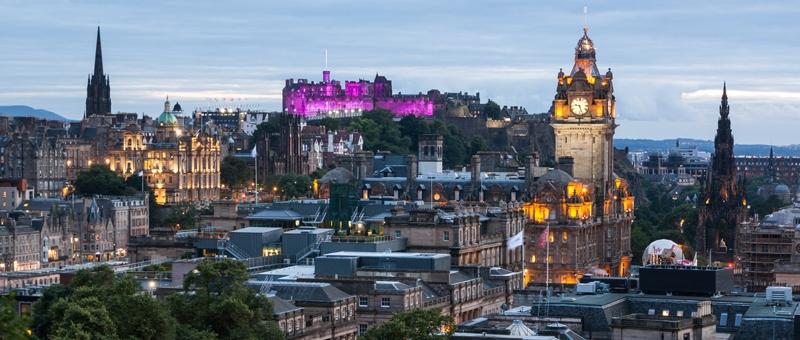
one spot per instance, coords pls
(151, 275)
(494, 291)
(360, 239)
(437, 301)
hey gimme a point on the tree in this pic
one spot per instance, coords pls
(330, 124)
(292, 185)
(98, 304)
(235, 173)
(101, 180)
(380, 132)
(492, 110)
(217, 304)
(418, 324)
(477, 143)
(12, 326)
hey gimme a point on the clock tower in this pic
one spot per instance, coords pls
(583, 115)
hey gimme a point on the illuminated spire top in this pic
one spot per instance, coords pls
(585, 56)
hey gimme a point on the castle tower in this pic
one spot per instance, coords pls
(430, 154)
(583, 115)
(98, 89)
(723, 205)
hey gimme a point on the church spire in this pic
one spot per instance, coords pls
(98, 55)
(98, 90)
(724, 109)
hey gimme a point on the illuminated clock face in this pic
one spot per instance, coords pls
(580, 106)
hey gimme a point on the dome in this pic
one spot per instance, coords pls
(338, 175)
(585, 48)
(177, 108)
(662, 251)
(557, 176)
(167, 118)
(781, 189)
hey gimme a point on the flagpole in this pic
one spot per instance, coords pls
(547, 260)
(255, 148)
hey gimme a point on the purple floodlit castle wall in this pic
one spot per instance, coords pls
(310, 98)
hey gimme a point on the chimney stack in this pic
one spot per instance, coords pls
(566, 164)
(411, 173)
(475, 168)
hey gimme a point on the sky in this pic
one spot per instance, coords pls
(669, 58)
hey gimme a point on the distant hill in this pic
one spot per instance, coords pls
(706, 145)
(27, 111)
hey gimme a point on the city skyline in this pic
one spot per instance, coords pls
(668, 63)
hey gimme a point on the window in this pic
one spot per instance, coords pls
(564, 236)
(397, 233)
(446, 236)
(723, 319)
(737, 322)
(385, 302)
(533, 258)
(363, 301)
(362, 328)
(550, 237)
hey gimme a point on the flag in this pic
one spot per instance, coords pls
(141, 173)
(515, 241)
(543, 237)
(254, 153)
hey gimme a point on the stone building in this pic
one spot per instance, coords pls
(723, 204)
(481, 235)
(581, 213)
(20, 243)
(36, 157)
(107, 223)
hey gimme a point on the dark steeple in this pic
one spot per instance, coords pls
(98, 55)
(723, 198)
(98, 90)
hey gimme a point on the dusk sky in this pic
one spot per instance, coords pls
(669, 58)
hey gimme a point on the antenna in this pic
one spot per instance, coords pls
(585, 15)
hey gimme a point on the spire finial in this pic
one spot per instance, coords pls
(326, 58)
(98, 56)
(724, 90)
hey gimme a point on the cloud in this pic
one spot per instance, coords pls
(743, 95)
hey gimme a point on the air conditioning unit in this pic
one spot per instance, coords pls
(779, 294)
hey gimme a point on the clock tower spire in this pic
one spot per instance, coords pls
(583, 115)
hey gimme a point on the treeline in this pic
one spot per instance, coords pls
(99, 304)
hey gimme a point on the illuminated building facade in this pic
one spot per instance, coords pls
(330, 98)
(182, 165)
(580, 214)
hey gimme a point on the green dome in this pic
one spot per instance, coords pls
(167, 118)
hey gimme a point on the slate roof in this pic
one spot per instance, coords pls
(308, 291)
(281, 306)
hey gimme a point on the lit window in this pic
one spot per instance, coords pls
(533, 258)
(550, 237)
(564, 236)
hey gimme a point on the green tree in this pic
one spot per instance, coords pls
(217, 304)
(293, 185)
(418, 324)
(101, 180)
(330, 124)
(477, 143)
(380, 132)
(492, 110)
(12, 326)
(235, 173)
(98, 304)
